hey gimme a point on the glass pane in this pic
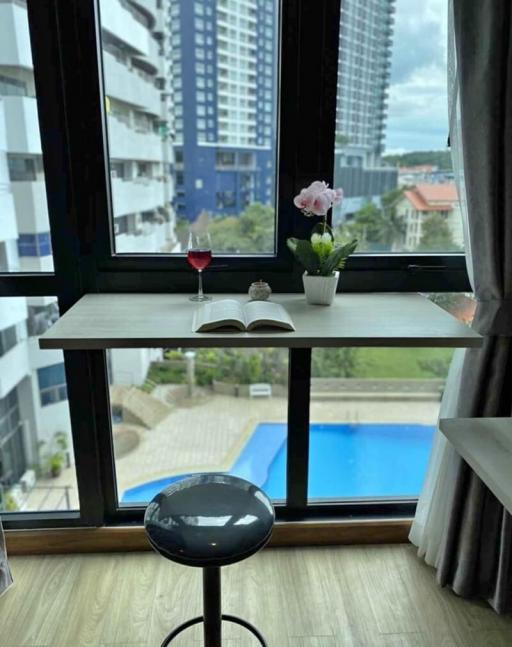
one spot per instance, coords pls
(373, 415)
(25, 244)
(36, 452)
(177, 412)
(191, 99)
(392, 128)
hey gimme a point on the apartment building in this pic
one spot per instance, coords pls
(139, 114)
(364, 67)
(424, 200)
(224, 57)
(33, 394)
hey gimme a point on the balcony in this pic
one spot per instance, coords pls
(131, 196)
(149, 7)
(126, 85)
(31, 206)
(127, 143)
(15, 42)
(22, 125)
(119, 22)
(152, 239)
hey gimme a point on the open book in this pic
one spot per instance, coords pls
(229, 313)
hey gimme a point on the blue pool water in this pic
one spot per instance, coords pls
(345, 460)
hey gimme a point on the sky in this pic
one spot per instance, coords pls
(417, 112)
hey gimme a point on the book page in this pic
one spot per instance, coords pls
(265, 313)
(218, 314)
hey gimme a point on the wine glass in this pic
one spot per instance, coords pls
(199, 256)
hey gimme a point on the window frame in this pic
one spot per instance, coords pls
(65, 38)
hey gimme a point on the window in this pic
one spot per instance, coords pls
(159, 178)
(397, 131)
(239, 132)
(36, 455)
(22, 186)
(52, 384)
(156, 395)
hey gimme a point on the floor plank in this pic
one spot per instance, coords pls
(344, 596)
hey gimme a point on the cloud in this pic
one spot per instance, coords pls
(417, 112)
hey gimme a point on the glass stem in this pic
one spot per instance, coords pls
(200, 288)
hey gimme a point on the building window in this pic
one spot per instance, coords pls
(225, 199)
(8, 339)
(225, 159)
(52, 384)
(12, 87)
(21, 169)
(35, 244)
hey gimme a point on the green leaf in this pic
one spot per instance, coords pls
(337, 259)
(304, 253)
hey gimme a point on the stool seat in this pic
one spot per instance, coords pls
(209, 520)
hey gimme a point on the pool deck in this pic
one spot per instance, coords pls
(210, 433)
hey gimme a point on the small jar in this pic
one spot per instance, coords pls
(259, 291)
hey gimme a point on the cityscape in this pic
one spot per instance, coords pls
(191, 100)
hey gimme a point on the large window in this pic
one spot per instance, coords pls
(202, 121)
(220, 111)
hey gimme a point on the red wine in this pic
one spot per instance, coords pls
(199, 258)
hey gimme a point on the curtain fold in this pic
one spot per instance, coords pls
(5, 573)
(460, 527)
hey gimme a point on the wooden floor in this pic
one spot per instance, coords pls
(315, 597)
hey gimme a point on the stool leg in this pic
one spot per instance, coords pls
(211, 606)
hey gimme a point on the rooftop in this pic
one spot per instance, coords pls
(433, 197)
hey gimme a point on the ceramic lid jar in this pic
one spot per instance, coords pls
(259, 291)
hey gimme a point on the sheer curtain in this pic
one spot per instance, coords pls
(5, 573)
(460, 528)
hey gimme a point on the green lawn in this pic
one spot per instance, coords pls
(403, 362)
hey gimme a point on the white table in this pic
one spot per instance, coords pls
(99, 321)
(486, 445)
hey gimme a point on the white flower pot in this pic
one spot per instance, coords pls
(320, 290)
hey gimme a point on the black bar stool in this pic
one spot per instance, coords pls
(210, 521)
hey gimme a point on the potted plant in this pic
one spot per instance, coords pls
(56, 462)
(321, 256)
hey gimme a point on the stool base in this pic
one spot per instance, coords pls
(227, 618)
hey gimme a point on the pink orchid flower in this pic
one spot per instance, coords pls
(317, 199)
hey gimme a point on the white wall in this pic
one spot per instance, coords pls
(15, 41)
(130, 365)
(22, 125)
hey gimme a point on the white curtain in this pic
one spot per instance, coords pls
(432, 511)
(5, 573)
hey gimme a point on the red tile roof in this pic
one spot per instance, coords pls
(433, 197)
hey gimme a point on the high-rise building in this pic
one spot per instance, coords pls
(33, 395)
(223, 56)
(364, 65)
(139, 112)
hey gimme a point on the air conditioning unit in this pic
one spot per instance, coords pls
(116, 228)
(113, 172)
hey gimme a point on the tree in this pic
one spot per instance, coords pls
(377, 228)
(436, 235)
(442, 159)
(250, 232)
(335, 362)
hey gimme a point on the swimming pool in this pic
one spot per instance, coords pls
(345, 460)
